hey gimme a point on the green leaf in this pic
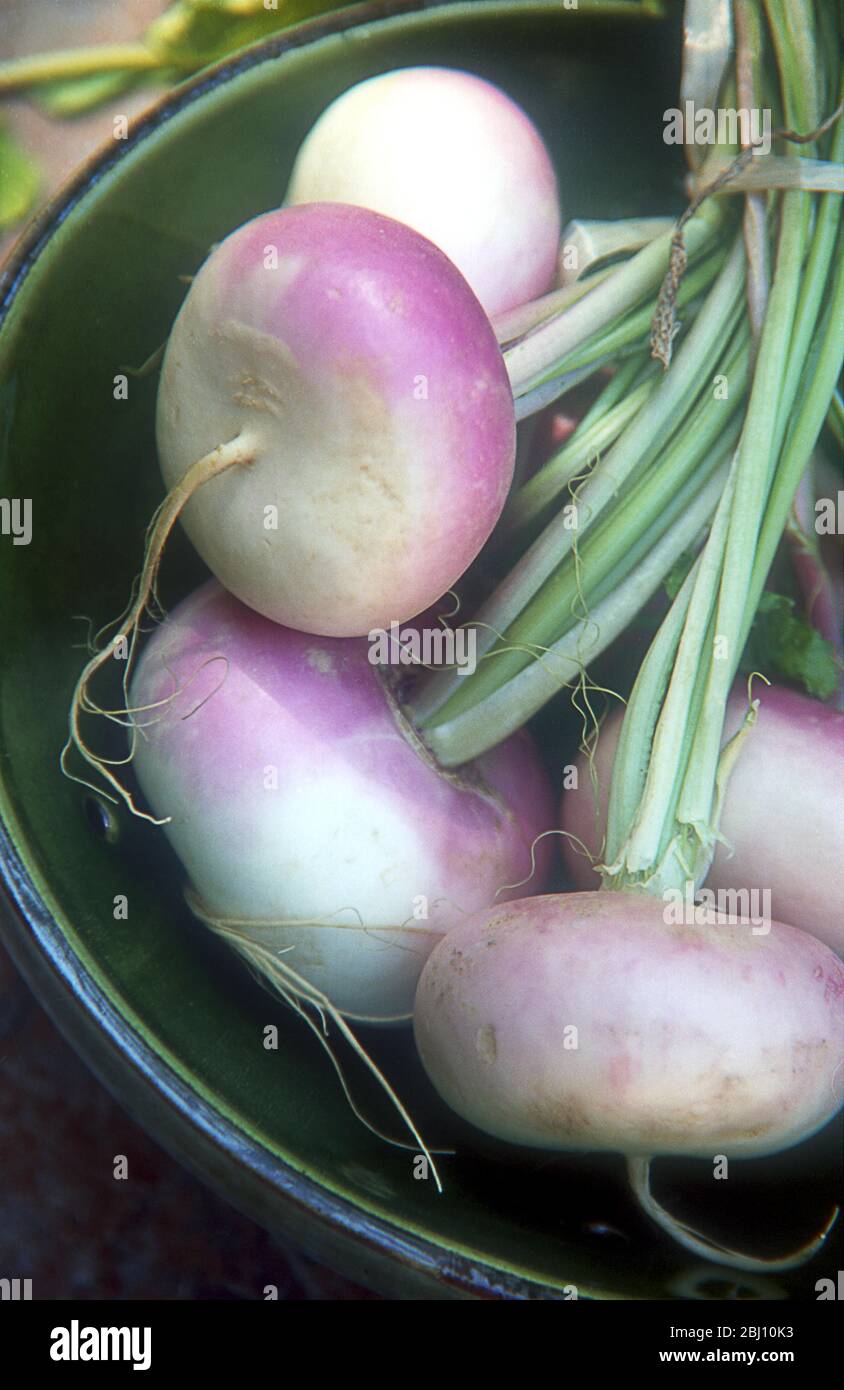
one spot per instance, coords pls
(73, 96)
(19, 180)
(193, 33)
(238, 7)
(784, 643)
(190, 36)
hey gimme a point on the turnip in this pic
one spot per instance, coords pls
(585, 1022)
(783, 817)
(307, 816)
(453, 156)
(357, 371)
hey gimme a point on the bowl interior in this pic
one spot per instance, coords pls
(98, 297)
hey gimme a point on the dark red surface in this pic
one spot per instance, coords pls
(78, 1232)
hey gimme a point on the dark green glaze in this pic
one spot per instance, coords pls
(166, 1016)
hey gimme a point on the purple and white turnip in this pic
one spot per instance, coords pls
(783, 817)
(365, 384)
(584, 1021)
(302, 807)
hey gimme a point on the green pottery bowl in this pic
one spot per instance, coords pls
(169, 1020)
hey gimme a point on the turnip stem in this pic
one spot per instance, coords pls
(592, 242)
(32, 71)
(506, 709)
(674, 804)
(638, 1170)
(792, 29)
(666, 794)
(779, 171)
(547, 392)
(586, 445)
(646, 497)
(643, 842)
(835, 419)
(748, 25)
(607, 344)
(529, 360)
(446, 695)
(635, 325)
(517, 323)
(822, 372)
(812, 290)
(630, 764)
(771, 401)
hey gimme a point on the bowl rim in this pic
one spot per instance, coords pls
(159, 1099)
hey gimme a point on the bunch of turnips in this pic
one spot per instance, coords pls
(339, 427)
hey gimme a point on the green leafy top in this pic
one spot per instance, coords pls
(19, 180)
(783, 643)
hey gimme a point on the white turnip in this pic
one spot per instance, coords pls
(584, 1021)
(588, 1022)
(453, 156)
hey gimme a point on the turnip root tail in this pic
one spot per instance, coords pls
(638, 1170)
(239, 451)
(300, 994)
(511, 887)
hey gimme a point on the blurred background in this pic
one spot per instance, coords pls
(47, 147)
(65, 1223)
(68, 66)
